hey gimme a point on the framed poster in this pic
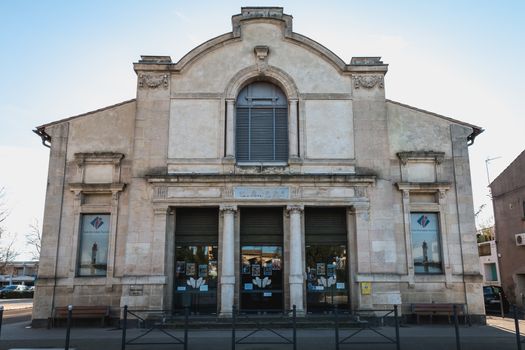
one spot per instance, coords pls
(181, 267)
(246, 270)
(321, 269)
(190, 269)
(276, 264)
(330, 270)
(203, 270)
(267, 271)
(256, 270)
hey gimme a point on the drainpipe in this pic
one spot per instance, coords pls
(459, 230)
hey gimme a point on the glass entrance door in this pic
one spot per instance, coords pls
(327, 277)
(261, 278)
(196, 278)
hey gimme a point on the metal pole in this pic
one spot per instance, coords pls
(501, 305)
(398, 343)
(69, 314)
(336, 328)
(234, 311)
(456, 326)
(294, 314)
(517, 326)
(1, 317)
(186, 313)
(124, 326)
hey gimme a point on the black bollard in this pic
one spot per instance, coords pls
(336, 328)
(396, 320)
(124, 326)
(69, 314)
(501, 305)
(234, 311)
(1, 317)
(294, 315)
(186, 313)
(456, 326)
(517, 326)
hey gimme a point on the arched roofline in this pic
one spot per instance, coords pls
(275, 16)
(251, 74)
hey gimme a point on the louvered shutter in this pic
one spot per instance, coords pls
(261, 226)
(325, 226)
(197, 226)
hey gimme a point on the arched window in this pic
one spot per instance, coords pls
(261, 124)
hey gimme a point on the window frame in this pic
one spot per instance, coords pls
(439, 240)
(81, 239)
(279, 130)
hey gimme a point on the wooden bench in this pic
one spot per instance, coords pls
(82, 312)
(435, 309)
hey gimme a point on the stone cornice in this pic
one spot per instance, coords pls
(437, 157)
(97, 188)
(423, 186)
(364, 180)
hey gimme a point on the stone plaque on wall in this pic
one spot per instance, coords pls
(136, 290)
(261, 193)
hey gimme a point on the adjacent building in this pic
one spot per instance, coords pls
(508, 198)
(261, 171)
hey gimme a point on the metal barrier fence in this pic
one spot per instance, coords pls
(362, 321)
(283, 327)
(265, 324)
(518, 314)
(163, 321)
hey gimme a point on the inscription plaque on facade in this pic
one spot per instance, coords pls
(261, 192)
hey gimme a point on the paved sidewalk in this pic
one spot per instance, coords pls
(16, 304)
(497, 336)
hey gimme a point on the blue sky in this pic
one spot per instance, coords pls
(462, 59)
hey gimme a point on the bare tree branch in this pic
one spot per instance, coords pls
(7, 254)
(4, 212)
(34, 239)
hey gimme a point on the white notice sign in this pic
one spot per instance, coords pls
(261, 193)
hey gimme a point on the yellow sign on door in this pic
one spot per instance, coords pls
(366, 288)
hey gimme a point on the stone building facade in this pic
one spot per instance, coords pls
(261, 171)
(508, 198)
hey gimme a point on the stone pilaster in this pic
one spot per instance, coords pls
(293, 152)
(362, 223)
(230, 129)
(227, 278)
(296, 279)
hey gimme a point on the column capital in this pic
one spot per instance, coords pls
(160, 211)
(295, 209)
(361, 207)
(228, 208)
(230, 100)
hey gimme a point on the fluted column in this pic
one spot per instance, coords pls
(293, 143)
(296, 258)
(228, 259)
(230, 128)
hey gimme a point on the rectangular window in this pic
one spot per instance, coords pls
(484, 249)
(491, 275)
(93, 255)
(426, 243)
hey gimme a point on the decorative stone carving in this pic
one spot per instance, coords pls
(261, 57)
(228, 209)
(368, 81)
(161, 192)
(437, 157)
(294, 209)
(153, 81)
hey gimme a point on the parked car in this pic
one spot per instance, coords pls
(16, 291)
(491, 294)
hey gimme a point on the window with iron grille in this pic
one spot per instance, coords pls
(261, 124)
